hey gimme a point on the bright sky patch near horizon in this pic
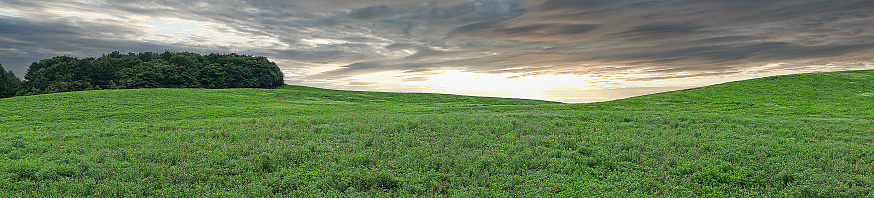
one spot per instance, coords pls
(559, 50)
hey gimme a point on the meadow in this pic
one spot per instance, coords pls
(806, 135)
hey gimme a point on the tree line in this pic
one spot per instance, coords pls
(142, 70)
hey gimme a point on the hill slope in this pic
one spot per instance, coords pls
(849, 93)
(791, 136)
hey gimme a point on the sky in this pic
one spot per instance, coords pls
(570, 51)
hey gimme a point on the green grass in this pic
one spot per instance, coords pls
(807, 135)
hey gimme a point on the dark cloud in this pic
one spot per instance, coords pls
(24, 41)
(467, 29)
(373, 13)
(535, 32)
(661, 28)
(577, 6)
(684, 34)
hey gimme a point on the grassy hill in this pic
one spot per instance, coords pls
(805, 135)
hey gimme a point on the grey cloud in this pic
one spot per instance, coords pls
(660, 28)
(321, 57)
(31, 40)
(833, 17)
(681, 34)
(415, 79)
(527, 33)
(400, 46)
(574, 5)
(373, 12)
(360, 68)
(359, 83)
(472, 27)
(741, 54)
(549, 29)
(427, 52)
(711, 73)
(345, 4)
(12, 26)
(646, 4)
(610, 93)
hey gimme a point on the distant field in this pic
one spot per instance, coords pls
(807, 135)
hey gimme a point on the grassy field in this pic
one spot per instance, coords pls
(808, 135)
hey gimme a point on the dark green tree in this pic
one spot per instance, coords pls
(58, 74)
(151, 70)
(9, 84)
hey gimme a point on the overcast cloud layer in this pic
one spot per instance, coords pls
(563, 50)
